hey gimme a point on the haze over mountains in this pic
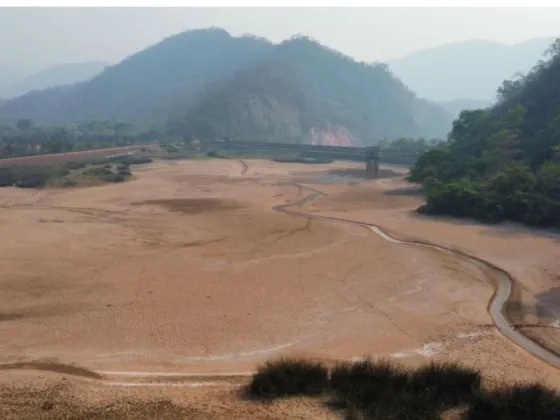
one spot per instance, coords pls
(206, 83)
(63, 74)
(305, 92)
(470, 70)
(502, 162)
(455, 106)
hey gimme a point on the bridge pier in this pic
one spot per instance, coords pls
(372, 168)
(372, 163)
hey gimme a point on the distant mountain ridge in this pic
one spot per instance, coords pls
(7, 78)
(469, 69)
(455, 106)
(305, 92)
(60, 75)
(144, 86)
(209, 84)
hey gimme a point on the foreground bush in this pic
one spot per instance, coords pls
(382, 390)
(399, 406)
(445, 384)
(379, 390)
(365, 382)
(289, 377)
(520, 402)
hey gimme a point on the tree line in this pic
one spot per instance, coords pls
(411, 144)
(502, 163)
(27, 139)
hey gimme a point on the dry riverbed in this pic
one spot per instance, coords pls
(189, 270)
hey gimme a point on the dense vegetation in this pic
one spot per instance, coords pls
(411, 144)
(84, 172)
(210, 85)
(30, 176)
(289, 377)
(503, 162)
(26, 139)
(381, 390)
(303, 92)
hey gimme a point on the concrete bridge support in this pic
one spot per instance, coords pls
(372, 163)
(372, 168)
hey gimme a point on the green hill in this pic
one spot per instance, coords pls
(145, 85)
(502, 162)
(208, 84)
(305, 92)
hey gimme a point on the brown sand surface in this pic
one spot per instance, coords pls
(532, 256)
(33, 396)
(187, 269)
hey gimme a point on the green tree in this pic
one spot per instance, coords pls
(437, 163)
(502, 162)
(548, 179)
(24, 125)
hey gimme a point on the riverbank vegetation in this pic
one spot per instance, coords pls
(85, 172)
(502, 163)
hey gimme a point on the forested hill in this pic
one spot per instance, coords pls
(504, 162)
(145, 85)
(305, 92)
(210, 84)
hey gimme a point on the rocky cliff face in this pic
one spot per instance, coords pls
(333, 135)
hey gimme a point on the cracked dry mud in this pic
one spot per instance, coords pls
(189, 270)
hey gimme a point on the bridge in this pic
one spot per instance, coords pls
(372, 156)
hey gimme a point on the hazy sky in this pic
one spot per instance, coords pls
(33, 38)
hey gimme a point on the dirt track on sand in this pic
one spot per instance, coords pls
(188, 269)
(503, 283)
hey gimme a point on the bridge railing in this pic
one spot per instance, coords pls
(358, 154)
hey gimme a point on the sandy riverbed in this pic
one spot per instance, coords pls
(187, 269)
